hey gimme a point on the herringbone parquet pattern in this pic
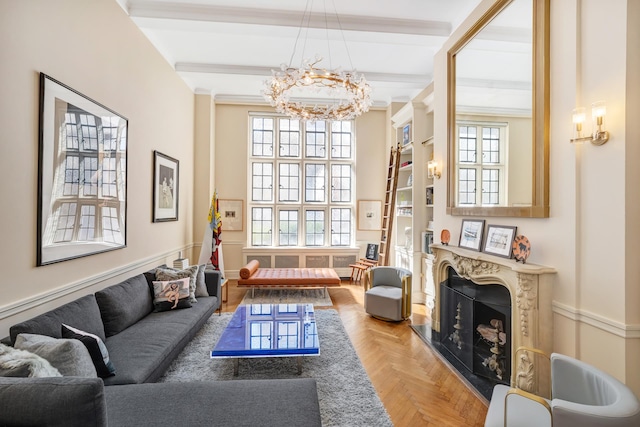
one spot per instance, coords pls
(415, 386)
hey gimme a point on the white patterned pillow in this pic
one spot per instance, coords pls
(22, 363)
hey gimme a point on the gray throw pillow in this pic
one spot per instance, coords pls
(69, 356)
(163, 275)
(201, 285)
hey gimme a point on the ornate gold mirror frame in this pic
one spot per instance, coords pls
(539, 207)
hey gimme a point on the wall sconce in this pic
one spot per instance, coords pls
(432, 170)
(598, 136)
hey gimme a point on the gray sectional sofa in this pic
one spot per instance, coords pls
(142, 344)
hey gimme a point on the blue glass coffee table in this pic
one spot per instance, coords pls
(269, 330)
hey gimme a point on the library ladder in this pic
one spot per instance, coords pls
(389, 205)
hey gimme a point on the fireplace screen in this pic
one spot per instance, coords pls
(475, 323)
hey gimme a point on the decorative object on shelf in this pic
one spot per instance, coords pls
(82, 175)
(598, 135)
(369, 214)
(521, 248)
(406, 134)
(346, 93)
(445, 237)
(471, 233)
(429, 195)
(408, 243)
(165, 187)
(427, 240)
(430, 225)
(499, 240)
(231, 212)
(410, 180)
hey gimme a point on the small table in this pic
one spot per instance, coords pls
(269, 330)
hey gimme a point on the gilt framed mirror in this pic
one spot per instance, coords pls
(498, 113)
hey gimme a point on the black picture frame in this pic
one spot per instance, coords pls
(499, 240)
(166, 187)
(471, 234)
(82, 175)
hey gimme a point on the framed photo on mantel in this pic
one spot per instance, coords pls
(471, 234)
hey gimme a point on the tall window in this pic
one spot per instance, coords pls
(303, 186)
(480, 163)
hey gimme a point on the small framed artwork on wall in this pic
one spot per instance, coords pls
(165, 187)
(471, 234)
(231, 211)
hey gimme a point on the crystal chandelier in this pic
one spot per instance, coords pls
(348, 92)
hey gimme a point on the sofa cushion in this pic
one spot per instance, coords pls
(69, 356)
(144, 351)
(171, 294)
(83, 311)
(201, 285)
(21, 363)
(164, 274)
(218, 403)
(124, 304)
(95, 346)
(65, 401)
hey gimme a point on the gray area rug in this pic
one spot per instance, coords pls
(288, 296)
(346, 395)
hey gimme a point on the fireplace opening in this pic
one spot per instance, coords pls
(475, 327)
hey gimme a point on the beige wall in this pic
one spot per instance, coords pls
(590, 235)
(93, 47)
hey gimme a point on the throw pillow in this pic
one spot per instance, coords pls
(70, 357)
(163, 274)
(97, 349)
(201, 285)
(171, 294)
(22, 363)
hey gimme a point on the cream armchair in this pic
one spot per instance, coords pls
(582, 396)
(387, 293)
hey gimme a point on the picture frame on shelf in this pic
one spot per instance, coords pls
(369, 215)
(499, 240)
(82, 175)
(166, 175)
(429, 195)
(232, 213)
(471, 233)
(406, 134)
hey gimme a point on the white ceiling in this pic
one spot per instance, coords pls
(227, 48)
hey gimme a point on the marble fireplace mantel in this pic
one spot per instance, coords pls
(530, 288)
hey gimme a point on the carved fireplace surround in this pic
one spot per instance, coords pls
(530, 288)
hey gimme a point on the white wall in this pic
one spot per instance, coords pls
(93, 47)
(593, 196)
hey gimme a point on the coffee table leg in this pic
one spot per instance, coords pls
(299, 365)
(235, 367)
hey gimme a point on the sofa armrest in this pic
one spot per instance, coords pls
(57, 401)
(213, 280)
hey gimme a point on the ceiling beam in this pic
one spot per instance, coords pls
(286, 18)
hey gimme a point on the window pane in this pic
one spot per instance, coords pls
(467, 144)
(66, 222)
(71, 175)
(90, 176)
(261, 229)
(89, 132)
(340, 226)
(316, 136)
(111, 226)
(341, 140)
(490, 145)
(490, 186)
(289, 138)
(314, 226)
(262, 182)
(467, 186)
(262, 137)
(289, 178)
(314, 183)
(340, 183)
(288, 228)
(87, 223)
(109, 177)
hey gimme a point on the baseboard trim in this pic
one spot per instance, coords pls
(608, 325)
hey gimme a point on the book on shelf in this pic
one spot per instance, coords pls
(181, 263)
(407, 163)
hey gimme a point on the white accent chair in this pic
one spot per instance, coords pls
(387, 293)
(581, 396)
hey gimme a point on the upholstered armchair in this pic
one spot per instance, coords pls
(387, 293)
(581, 396)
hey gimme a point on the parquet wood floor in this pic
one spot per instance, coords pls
(415, 386)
